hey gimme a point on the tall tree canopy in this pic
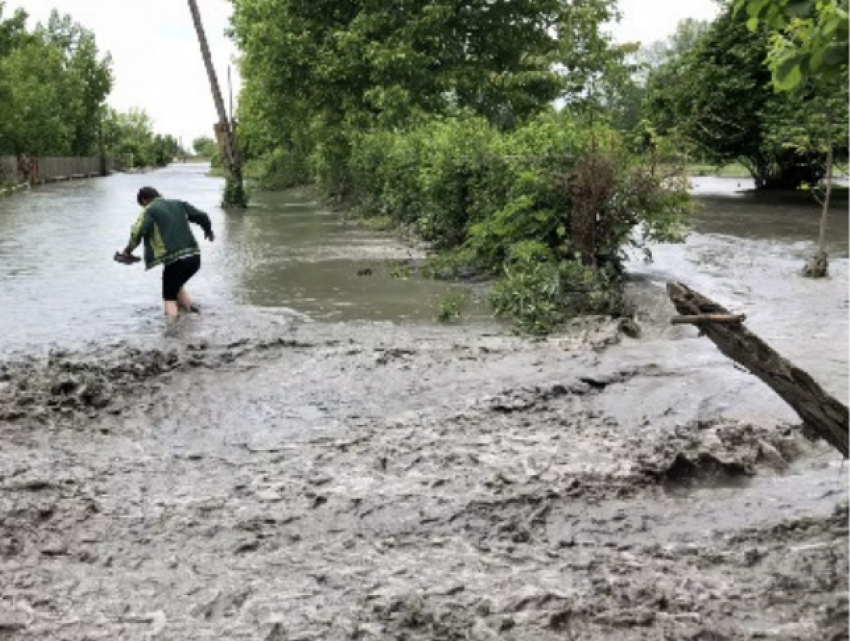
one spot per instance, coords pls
(53, 86)
(54, 83)
(316, 71)
(386, 60)
(720, 97)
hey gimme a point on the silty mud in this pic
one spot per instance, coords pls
(357, 482)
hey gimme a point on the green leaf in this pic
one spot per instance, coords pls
(787, 75)
(800, 8)
(755, 8)
(835, 55)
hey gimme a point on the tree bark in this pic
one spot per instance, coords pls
(818, 265)
(819, 411)
(234, 191)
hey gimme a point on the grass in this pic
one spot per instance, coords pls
(449, 308)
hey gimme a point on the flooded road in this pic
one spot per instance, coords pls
(286, 256)
(266, 474)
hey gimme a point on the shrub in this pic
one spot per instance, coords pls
(549, 208)
(450, 307)
(538, 293)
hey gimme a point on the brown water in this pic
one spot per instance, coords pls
(746, 252)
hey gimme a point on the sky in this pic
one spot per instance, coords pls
(157, 64)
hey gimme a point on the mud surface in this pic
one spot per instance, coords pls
(254, 474)
(369, 482)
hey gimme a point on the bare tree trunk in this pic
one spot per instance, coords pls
(234, 191)
(818, 265)
(819, 411)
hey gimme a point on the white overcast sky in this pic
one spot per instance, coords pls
(158, 66)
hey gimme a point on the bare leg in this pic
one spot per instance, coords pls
(184, 301)
(170, 307)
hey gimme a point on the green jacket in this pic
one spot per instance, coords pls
(164, 226)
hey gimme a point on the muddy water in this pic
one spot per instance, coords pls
(259, 476)
(287, 257)
(746, 251)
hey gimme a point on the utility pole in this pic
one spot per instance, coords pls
(234, 193)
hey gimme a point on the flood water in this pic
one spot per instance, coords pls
(289, 257)
(385, 477)
(746, 252)
(286, 257)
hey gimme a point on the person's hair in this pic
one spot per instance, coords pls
(146, 194)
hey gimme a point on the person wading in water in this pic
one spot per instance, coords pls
(163, 225)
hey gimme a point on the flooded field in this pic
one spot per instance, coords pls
(314, 458)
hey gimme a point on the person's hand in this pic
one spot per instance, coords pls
(210, 236)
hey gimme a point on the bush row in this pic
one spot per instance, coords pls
(550, 208)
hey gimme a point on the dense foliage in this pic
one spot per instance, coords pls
(129, 137)
(438, 117)
(204, 147)
(809, 38)
(550, 206)
(53, 84)
(314, 73)
(53, 88)
(720, 98)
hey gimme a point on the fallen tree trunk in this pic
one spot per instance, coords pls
(819, 411)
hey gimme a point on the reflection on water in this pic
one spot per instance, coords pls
(297, 254)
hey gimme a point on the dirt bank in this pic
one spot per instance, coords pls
(381, 482)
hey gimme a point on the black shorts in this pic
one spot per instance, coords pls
(177, 274)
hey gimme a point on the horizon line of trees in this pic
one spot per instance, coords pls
(707, 93)
(54, 84)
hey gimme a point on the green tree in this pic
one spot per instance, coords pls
(165, 149)
(808, 56)
(85, 82)
(316, 72)
(53, 87)
(35, 121)
(13, 34)
(12, 30)
(130, 138)
(204, 146)
(719, 97)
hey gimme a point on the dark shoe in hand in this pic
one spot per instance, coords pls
(126, 259)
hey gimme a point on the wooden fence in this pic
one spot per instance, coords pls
(36, 170)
